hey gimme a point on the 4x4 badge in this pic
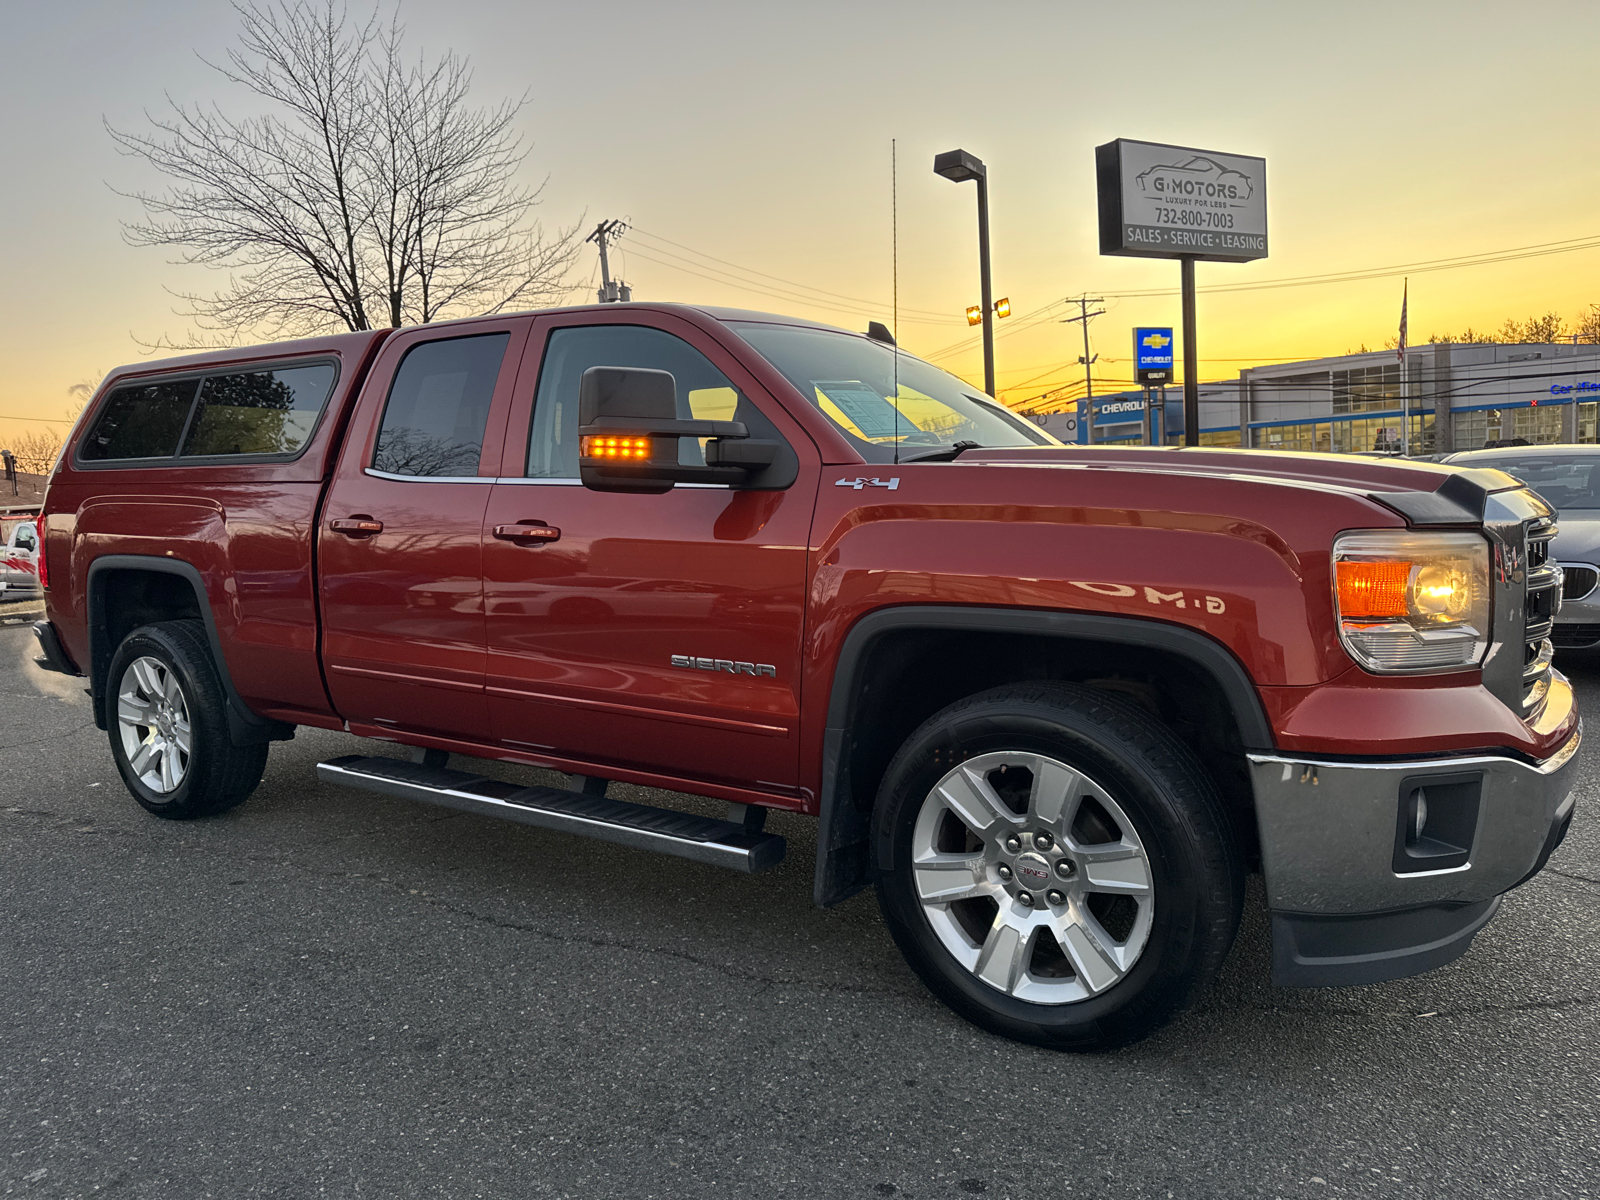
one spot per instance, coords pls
(859, 483)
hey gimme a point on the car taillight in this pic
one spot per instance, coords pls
(44, 571)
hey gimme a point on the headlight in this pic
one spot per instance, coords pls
(1412, 602)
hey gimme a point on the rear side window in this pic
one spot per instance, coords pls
(259, 412)
(144, 421)
(439, 407)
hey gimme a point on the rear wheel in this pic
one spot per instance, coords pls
(167, 719)
(1056, 866)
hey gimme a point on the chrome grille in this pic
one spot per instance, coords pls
(1577, 580)
(1542, 595)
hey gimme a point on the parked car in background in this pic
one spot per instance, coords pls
(1569, 478)
(19, 570)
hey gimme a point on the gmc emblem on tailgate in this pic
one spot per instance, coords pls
(724, 664)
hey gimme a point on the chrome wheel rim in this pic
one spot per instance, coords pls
(153, 722)
(1033, 878)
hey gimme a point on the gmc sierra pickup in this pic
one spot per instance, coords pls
(1052, 702)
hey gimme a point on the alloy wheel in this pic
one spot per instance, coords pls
(153, 720)
(1033, 877)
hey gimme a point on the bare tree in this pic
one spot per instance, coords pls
(371, 193)
(36, 450)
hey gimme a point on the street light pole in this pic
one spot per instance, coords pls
(958, 166)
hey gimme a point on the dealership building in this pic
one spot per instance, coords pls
(1457, 396)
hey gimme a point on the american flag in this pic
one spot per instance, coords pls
(1400, 352)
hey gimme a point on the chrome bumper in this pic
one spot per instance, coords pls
(1329, 829)
(1349, 905)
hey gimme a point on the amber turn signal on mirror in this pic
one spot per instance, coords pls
(617, 447)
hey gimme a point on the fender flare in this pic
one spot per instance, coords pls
(244, 727)
(843, 854)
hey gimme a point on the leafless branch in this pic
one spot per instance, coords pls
(373, 193)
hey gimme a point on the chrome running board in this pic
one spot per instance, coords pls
(704, 839)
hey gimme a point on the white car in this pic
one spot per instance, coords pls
(19, 563)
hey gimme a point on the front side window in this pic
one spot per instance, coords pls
(704, 393)
(888, 403)
(259, 412)
(141, 421)
(438, 407)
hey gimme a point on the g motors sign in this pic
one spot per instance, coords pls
(1160, 201)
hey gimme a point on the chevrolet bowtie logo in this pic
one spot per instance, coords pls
(1157, 341)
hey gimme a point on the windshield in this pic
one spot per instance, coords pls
(852, 381)
(1567, 481)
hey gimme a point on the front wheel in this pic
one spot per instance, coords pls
(1056, 866)
(167, 717)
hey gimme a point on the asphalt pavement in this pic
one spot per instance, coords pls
(331, 993)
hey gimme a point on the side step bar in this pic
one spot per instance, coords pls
(704, 839)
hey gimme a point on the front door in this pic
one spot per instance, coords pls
(400, 543)
(659, 633)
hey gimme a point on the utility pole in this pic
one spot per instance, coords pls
(1084, 315)
(610, 292)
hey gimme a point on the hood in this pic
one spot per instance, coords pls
(1424, 493)
(1577, 536)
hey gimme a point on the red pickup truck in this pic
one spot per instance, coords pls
(1052, 702)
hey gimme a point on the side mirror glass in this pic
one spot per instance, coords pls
(628, 431)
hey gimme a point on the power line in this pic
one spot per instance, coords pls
(725, 279)
(806, 287)
(1455, 262)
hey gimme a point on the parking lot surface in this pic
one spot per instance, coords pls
(332, 993)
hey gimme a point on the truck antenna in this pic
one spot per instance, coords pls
(894, 267)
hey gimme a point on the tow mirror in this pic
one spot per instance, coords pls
(628, 431)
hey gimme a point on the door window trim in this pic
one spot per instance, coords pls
(521, 415)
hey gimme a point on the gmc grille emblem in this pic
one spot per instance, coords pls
(729, 665)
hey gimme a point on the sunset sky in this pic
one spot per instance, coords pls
(759, 135)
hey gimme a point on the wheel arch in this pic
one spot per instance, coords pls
(901, 647)
(149, 589)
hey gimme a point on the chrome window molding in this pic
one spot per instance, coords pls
(521, 480)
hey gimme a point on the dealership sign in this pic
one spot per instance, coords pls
(1152, 355)
(1160, 201)
(1117, 410)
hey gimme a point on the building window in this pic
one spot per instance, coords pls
(1472, 429)
(1588, 418)
(1311, 436)
(1539, 426)
(1366, 389)
(1223, 437)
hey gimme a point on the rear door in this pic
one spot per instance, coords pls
(400, 539)
(659, 633)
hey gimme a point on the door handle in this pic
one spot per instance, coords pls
(529, 534)
(356, 526)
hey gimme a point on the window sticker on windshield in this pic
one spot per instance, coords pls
(869, 412)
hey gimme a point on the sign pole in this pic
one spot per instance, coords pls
(1149, 418)
(1191, 357)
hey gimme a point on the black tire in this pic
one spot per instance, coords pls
(1195, 878)
(217, 775)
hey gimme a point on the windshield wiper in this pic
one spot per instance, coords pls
(952, 451)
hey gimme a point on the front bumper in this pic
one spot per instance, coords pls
(1350, 904)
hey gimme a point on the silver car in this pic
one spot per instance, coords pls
(1568, 477)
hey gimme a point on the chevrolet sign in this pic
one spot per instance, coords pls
(1152, 355)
